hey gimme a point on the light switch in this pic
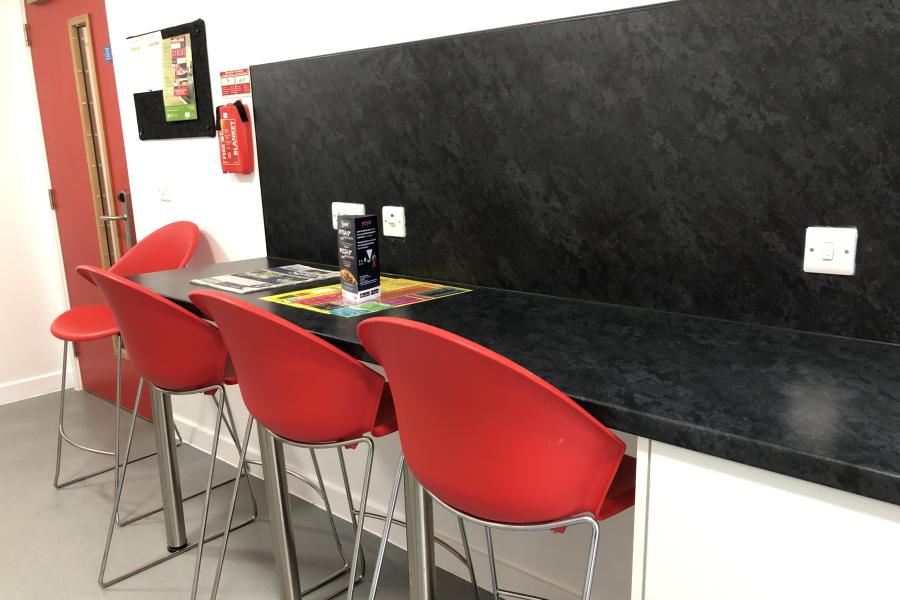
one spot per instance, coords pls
(830, 250)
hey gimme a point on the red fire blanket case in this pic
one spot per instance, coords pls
(235, 138)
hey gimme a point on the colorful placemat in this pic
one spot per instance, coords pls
(394, 292)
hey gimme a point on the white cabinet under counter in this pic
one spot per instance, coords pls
(712, 529)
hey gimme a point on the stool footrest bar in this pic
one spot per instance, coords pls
(101, 471)
(171, 555)
(130, 520)
(511, 594)
(438, 540)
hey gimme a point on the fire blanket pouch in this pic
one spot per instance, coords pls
(235, 138)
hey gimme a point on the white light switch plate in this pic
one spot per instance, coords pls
(830, 250)
(345, 208)
(393, 221)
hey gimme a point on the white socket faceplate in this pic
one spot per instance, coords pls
(345, 208)
(393, 221)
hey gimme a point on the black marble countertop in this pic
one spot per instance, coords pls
(812, 406)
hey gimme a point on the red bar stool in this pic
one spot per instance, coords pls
(306, 393)
(271, 356)
(177, 353)
(492, 442)
(169, 247)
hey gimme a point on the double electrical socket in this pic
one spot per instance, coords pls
(393, 218)
(345, 208)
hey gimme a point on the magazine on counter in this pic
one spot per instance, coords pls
(266, 279)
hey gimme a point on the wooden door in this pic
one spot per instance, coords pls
(76, 91)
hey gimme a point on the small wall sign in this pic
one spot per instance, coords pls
(235, 83)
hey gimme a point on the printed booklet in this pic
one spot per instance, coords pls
(266, 279)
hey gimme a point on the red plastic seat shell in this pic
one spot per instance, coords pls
(621, 493)
(85, 324)
(169, 346)
(169, 247)
(490, 438)
(296, 385)
(386, 419)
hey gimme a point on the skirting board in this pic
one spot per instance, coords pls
(22, 389)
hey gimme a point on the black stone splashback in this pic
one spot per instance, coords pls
(669, 157)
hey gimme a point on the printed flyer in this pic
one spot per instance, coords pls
(394, 292)
(179, 96)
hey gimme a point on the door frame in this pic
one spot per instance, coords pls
(96, 152)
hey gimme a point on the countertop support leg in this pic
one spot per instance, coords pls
(419, 537)
(167, 459)
(279, 501)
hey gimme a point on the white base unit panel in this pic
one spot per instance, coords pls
(720, 530)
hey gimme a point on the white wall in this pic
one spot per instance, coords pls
(228, 208)
(33, 290)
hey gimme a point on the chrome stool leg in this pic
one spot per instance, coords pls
(286, 554)
(354, 513)
(112, 521)
(209, 480)
(464, 559)
(357, 560)
(334, 532)
(363, 499)
(469, 563)
(61, 430)
(289, 557)
(118, 404)
(231, 425)
(320, 490)
(62, 436)
(234, 492)
(62, 412)
(178, 442)
(388, 520)
(498, 592)
(101, 580)
(592, 559)
(493, 564)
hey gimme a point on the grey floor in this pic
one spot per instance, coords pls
(51, 540)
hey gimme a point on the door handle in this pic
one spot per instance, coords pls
(122, 196)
